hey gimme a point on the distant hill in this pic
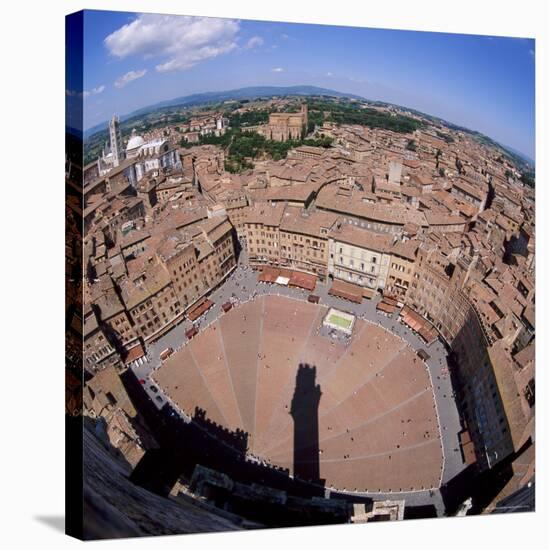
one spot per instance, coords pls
(255, 92)
(251, 92)
(525, 158)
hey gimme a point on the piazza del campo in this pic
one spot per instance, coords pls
(305, 309)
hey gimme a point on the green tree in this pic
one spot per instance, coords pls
(411, 145)
(529, 178)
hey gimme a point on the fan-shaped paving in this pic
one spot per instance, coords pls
(378, 426)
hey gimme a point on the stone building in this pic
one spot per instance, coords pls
(149, 281)
(304, 243)
(262, 224)
(401, 269)
(285, 126)
(359, 256)
(98, 352)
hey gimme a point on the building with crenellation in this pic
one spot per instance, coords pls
(285, 126)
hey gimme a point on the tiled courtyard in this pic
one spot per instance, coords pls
(378, 423)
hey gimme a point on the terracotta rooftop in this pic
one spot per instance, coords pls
(265, 214)
(295, 220)
(395, 215)
(362, 238)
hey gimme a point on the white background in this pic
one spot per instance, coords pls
(31, 309)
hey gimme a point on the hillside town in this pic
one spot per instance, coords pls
(431, 225)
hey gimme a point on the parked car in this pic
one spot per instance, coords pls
(154, 389)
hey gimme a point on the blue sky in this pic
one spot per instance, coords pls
(483, 83)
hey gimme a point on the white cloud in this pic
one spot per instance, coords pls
(130, 76)
(285, 37)
(85, 93)
(254, 42)
(277, 70)
(329, 74)
(93, 91)
(181, 40)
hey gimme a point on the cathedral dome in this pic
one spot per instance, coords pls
(135, 142)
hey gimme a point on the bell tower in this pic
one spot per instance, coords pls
(116, 140)
(304, 114)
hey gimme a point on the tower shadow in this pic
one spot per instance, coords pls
(213, 460)
(304, 411)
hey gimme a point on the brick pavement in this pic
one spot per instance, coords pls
(254, 383)
(376, 414)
